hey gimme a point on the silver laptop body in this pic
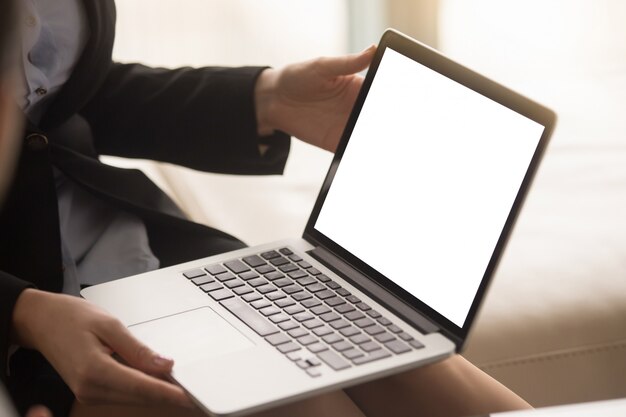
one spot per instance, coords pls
(396, 257)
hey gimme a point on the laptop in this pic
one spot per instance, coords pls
(394, 261)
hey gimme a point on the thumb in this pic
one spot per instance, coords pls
(135, 353)
(347, 64)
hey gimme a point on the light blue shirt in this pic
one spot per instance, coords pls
(99, 242)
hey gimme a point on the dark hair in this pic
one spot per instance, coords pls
(8, 15)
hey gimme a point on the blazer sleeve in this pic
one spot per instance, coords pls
(201, 118)
(10, 289)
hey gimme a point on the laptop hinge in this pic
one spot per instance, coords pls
(371, 288)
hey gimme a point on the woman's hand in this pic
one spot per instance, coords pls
(79, 339)
(311, 100)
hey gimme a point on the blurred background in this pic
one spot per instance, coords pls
(554, 326)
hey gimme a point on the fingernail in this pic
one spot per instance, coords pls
(162, 360)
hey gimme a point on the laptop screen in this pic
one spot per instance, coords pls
(426, 183)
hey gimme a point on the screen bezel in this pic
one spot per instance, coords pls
(488, 88)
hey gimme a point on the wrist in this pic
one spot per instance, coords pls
(264, 101)
(26, 315)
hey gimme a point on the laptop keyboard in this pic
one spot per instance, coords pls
(302, 312)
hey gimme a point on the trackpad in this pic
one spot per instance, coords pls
(191, 335)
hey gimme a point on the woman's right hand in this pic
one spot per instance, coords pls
(79, 339)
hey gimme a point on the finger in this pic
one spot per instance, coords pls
(126, 385)
(38, 411)
(347, 64)
(132, 351)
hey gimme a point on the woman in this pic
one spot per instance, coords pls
(78, 104)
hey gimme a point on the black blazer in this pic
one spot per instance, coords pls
(200, 118)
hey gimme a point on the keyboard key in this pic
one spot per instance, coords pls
(339, 324)
(236, 266)
(297, 332)
(332, 338)
(322, 295)
(313, 271)
(250, 317)
(362, 306)
(288, 325)
(352, 353)
(219, 295)
(341, 346)
(303, 264)
(234, 283)
(343, 292)
(384, 321)
(360, 338)
(354, 315)
(349, 331)
(397, 347)
(384, 337)
(323, 278)
(269, 310)
(294, 356)
(364, 322)
(374, 330)
(288, 268)
(311, 302)
(274, 275)
(288, 347)
(344, 308)
(243, 290)
(405, 336)
(283, 282)
(303, 295)
(317, 347)
(225, 276)
(279, 318)
(295, 258)
(293, 288)
(283, 302)
(322, 331)
(321, 309)
(307, 340)
(315, 287)
(264, 269)
(285, 251)
(353, 299)
(333, 360)
(211, 287)
(307, 281)
(373, 356)
(279, 261)
(303, 316)
(313, 362)
(270, 255)
(334, 301)
(312, 324)
(313, 372)
(248, 275)
(194, 273)
(394, 329)
(373, 314)
(333, 285)
(416, 344)
(297, 274)
(330, 316)
(215, 269)
(254, 261)
(252, 297)
(264, 289)
(370, 346)
(260, 304)
(294, 309)
(276, 295)
(257, 282)
(277, 339)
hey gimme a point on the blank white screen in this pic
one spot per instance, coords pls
(427, 182)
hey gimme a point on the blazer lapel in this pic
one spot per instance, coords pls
(92, 67)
